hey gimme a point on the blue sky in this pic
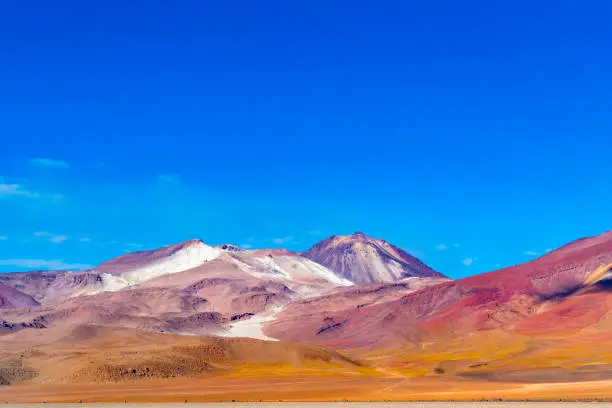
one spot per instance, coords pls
(475, 134)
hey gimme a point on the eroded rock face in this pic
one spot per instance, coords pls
(49, 287)
(364, 260)
(229, 248)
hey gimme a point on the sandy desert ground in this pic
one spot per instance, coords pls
(306, 388)
(334, 405)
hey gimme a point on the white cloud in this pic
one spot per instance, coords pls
(468, 261)
(169, 178)
(457, 245)
(3, 237)
(282, 240)
(51, 264)
(548, 249)
(85, 239)
(133, 245)
(532, 253)
(246, 246)
(497, 266)
(53, 238)
(16, 190)
(441, 247)
(46, 162)
(58, 239)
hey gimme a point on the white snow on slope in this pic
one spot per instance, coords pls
(252, 327)
(184, 259)
(273, 267)
(110, 283)
(303, 276)
(299, 269)
(325, 273)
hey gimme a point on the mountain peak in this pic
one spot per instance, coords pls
(168, 259)
(191, 242)
(362, 259)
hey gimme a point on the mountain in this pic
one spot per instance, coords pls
(143, 265)
(172, 314)
(187, 288)
(502, 325)
(49, 287)
(11, 298)
(365, 260)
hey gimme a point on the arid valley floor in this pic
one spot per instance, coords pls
(277, 389)
(329, 405)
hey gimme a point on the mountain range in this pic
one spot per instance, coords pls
(350, 308)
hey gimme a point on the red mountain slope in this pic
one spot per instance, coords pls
(488, 301)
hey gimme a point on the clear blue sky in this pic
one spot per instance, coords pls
(485, 127)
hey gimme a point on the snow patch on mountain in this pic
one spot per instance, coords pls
(252, 327)
(186, 258)
(296, 269)
(326, 274)
(273, 268)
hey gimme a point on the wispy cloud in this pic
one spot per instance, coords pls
(8, 189)
(548, 250)
(497, 266)
(246, 246)
(282, 240)
(53, 238)
(15, 190)
(532, 253)
(85, 239)
(315, 233)
(169, 178)
(46, 162)
(3, 237)
(441, 247)
(457, 245)
(133, 245)
(46, 264)
(468, 261)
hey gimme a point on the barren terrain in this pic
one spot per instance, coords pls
(191, 322)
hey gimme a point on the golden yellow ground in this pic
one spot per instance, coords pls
(96, 364)
(304, 388)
